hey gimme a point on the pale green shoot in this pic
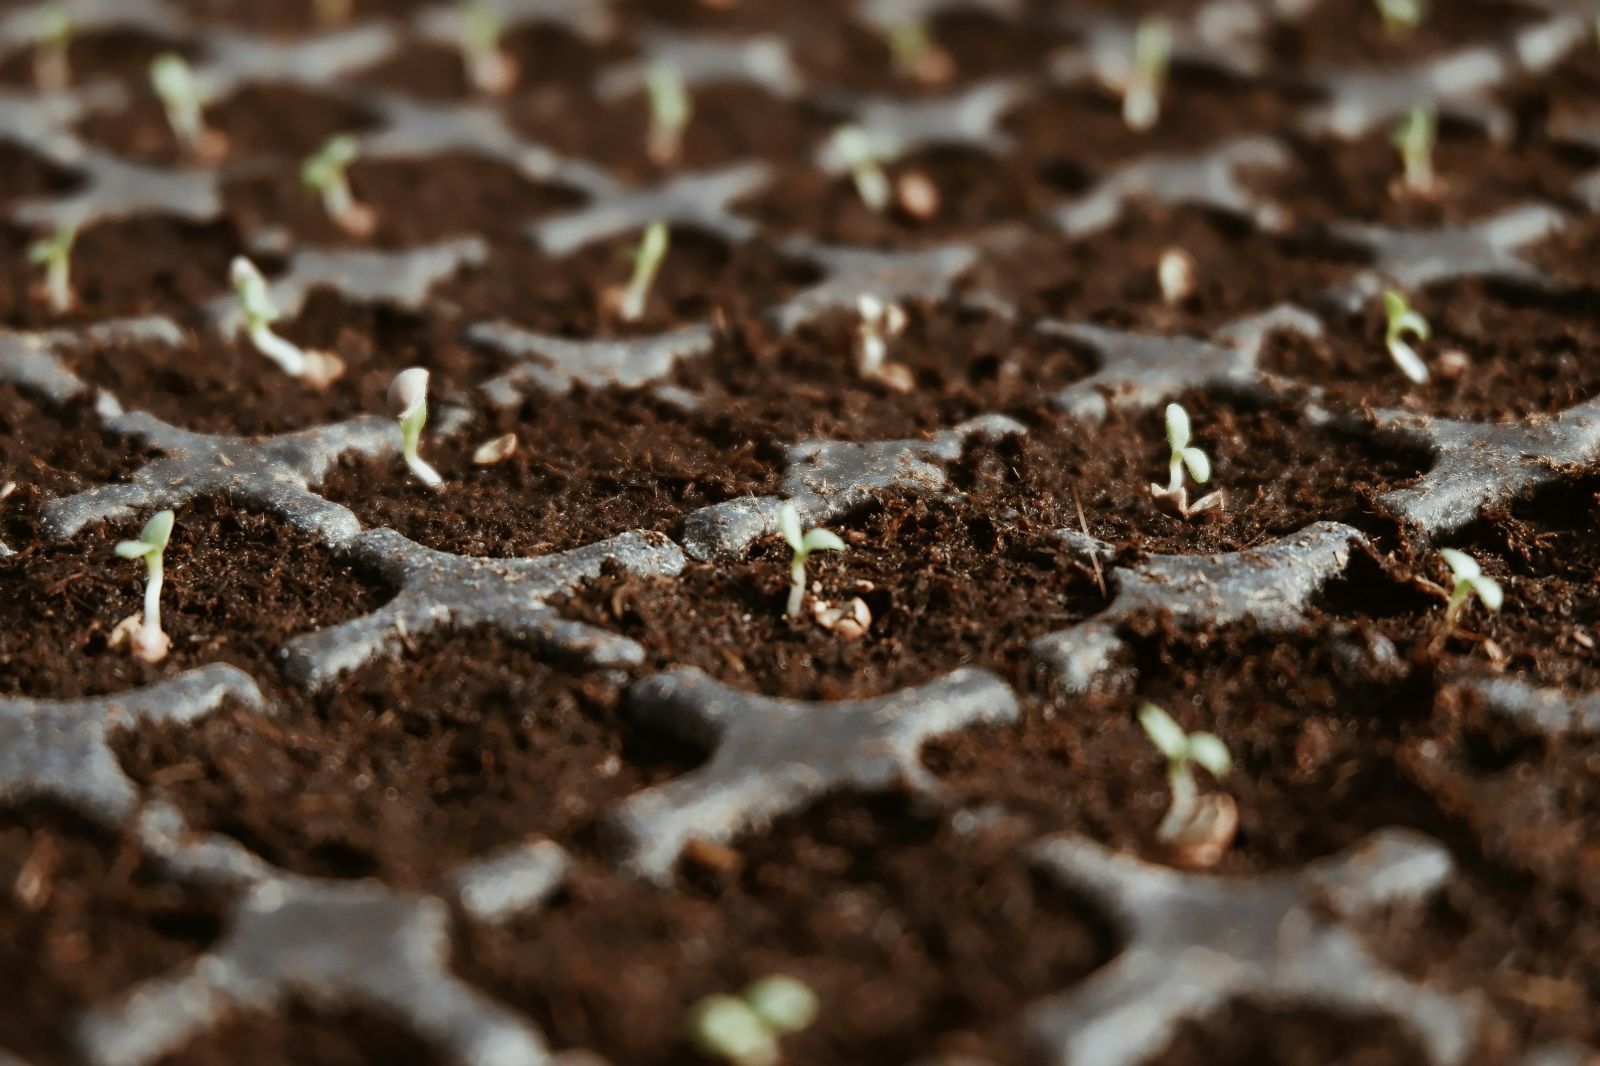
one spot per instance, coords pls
(1414, 139)
(52, 39)
(866, 170)
(148, 641)
(813, 540)
(488, 68)
(325, 173)
(646, 265)
(184, 103)
(1403, 322)
(408, 401)
(1152, 55)
(1184, 456)
(744, 1030)
(55, 253)
(671, 108)
(255, 302)
(1469, 581)
(1183, 751)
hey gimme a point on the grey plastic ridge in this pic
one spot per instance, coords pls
(438, 589)
(772, 756)
(1196, 941)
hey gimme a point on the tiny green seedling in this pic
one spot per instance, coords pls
(488, 67)
(408, 402)
(744, 1030)
(1401, 17)
(1468, 581)
(317, 369)
(1200, 829)
(1185, 457)
(1403, 322)
(880, 322)
(803, 545)
(671, 108)
(325, 174)
(55, 254)
(646, 265)
(52, 40)
(1152, 55)
(866, 170)
(1414, 139)
(143, 632)
(184, 102)
(914, 55)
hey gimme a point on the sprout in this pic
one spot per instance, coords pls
(914, 55)
(1152, 52)
(646, 264)
(745, 1029)
(880, 323)
(145, 637)
(1185, 457)
(324, 174)
(52, 38)
(1469, 581)
(55, 252)
(408, 400)
(184, 102)
(1414, 138)
(803, 545)
(670, 111)
(1175, 274)
(855, 148)
(490, 69)
(1402, 320)
(1199, 830)
(1400, 17)
(317, 369)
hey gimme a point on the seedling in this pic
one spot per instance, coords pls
(184, 102)
(812, 540)
(1185, 457)
(317, 369)
(1152, 54)
(1402, 322)
(143, 633)
(55, 253)
(1415, 138)
(855, 148)
(51, 42)
(880, 323)
(408, 400)
(488, 67)
(915, 57)
(1175, 273)
(1469, 581)
(671, 108)
(1198, 830)
(1400, 17)
(745, 1029)
(646, 264)
(325, 174)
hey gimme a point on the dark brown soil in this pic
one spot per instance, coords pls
(1340, 32)
(1243, 1034)
(302, 1035)
(467, 745)
(571, 295)
(876, 906)
(84, 916)
(215, 386)
(935, 575)
(1568, 255)
(282, 121)
(48, 451)
(25, 174)
(1332, 181)
(416, 201)
(1278, 471)
(587, 466)
(1541, 551)
(1065, 130)
(1527, 353)
(238, 585)
(730, 124)
(1112, 275)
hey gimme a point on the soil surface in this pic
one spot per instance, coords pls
(918, 918)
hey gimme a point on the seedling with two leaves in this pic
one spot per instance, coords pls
(316, 369)
(1185, 457)
(744, 1030)
(802, 544)
(1197, 829)
(142, 632)
(184, 102)
(325, 174)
